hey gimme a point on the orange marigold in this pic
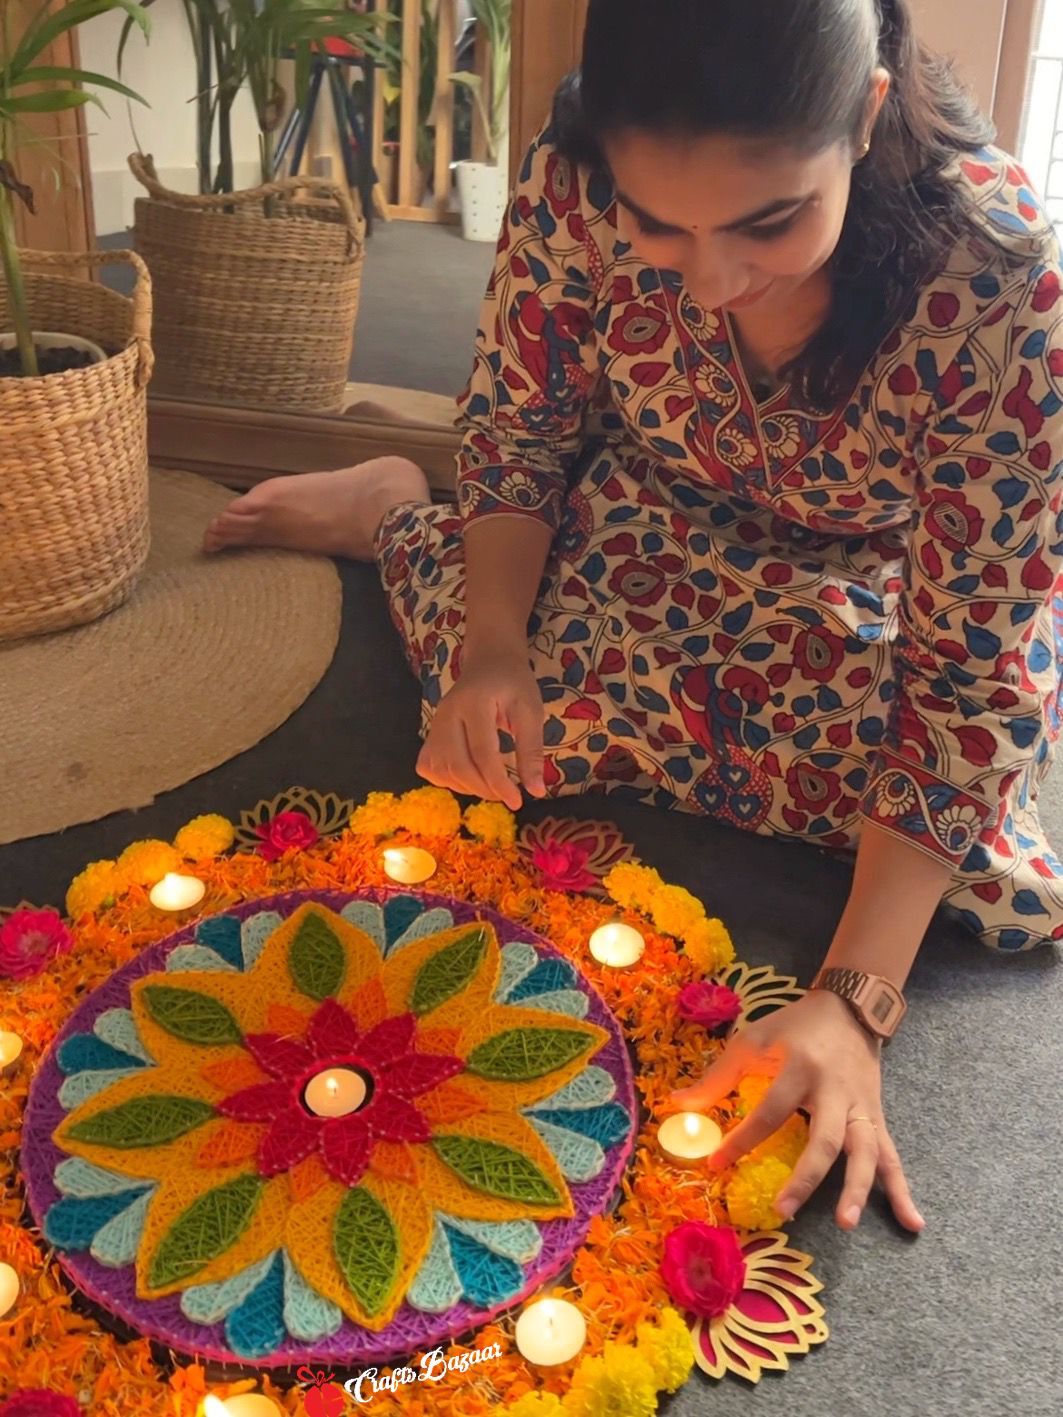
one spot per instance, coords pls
(146, 862)
(92, 889)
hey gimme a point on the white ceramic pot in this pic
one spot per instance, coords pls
(50, 339)
(483, 190)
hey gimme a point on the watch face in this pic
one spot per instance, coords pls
(883, 1007)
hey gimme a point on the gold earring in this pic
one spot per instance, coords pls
(865, 150)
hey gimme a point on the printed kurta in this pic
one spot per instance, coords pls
(789, 623)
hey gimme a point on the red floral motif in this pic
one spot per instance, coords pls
(639, 329)
(287, 831)
(812, 789)
(703, 1268)
(30, 940)
(563, 866)
(562, 188)
(952, 520)
(617, 764)
(817, 653)
(333, 1040)
(638, 582)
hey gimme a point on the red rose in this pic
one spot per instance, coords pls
(703, 1268)
(39, 1402)
(30, 940)
(288, 831)
(712, 1006)
(562, 866)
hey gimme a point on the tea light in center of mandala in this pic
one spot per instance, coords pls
(337, 1092)
(409, 865)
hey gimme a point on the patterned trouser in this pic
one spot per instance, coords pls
(683, 667)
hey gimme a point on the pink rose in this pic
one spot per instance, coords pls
(562, 866)
(30, 940)
(703, 1268)
(713, 1006)
(39, 1402)
(287, 831)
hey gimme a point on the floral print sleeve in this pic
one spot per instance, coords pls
(974, 657)
(536, 360)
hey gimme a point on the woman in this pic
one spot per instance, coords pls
(762, 454)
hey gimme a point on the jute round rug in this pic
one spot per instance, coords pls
(207, 658)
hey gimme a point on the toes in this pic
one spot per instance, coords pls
(230, 529)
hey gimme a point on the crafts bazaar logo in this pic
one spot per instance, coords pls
(326, 1398)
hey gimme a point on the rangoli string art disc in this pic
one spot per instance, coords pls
(175, 1156)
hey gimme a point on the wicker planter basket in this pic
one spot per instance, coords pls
(250, 308)
(74, 453)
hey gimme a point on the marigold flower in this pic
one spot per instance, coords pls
(430, 811)
(750, 1194)
(668, 1348)
(205, 837)
(377, 817)
(620, 1381)
(492, 823)
(146, 862)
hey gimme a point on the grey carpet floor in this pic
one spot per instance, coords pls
(961, 1322)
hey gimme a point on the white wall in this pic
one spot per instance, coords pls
(162, 72)
(971, 32)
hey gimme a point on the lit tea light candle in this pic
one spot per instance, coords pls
(336, 1093)
(551, 1331)
(409, 865)
(10, 1053)
(8, 1289)
(689, 1137)
(176, 892)
(617, 945)
(245, 1404)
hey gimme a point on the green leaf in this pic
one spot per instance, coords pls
(53, 101)
(50, 73)
(316, 960)
(209, 1227)
(366, 1243)
(195, 1017)
(497, 1170)
(448, 971)
(143, 1121)
(521, 1054)
(48, 27)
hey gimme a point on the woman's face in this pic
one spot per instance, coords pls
(744, 224)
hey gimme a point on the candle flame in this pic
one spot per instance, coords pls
(332, 1085)
(691, 1124)
(214, 1407)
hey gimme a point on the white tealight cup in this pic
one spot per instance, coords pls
(550, 1331)
(9, 1288)
(688, 1138)
(10, 1052)
(617, 945)
(335, 1093)
(175, 892)
(245, 1404)
(409, 865)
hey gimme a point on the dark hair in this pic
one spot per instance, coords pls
(798, 72)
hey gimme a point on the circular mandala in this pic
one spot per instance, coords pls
(176, 1155)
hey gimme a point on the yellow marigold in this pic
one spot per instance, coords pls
(633, 886)
(94, 887)
(751, 1193)
(709, 946)
(618, 1384)
(205, 837)
(676, 911)
(378, 816)
(430, 811)
(668, 1348)
(146, 862)
(536, 1404)
(786, 1145)
(492, 823)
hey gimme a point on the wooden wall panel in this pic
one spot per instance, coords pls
(58, 170)
(547, 43)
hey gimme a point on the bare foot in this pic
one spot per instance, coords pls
(332, 513)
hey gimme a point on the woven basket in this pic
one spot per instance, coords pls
(250, 308)
(74, 454)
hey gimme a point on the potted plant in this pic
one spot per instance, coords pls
(75, 359)
(256, 291)
(482, 186)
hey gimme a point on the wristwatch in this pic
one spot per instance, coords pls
(877, 1004)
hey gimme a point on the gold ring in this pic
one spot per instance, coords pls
(862, 1119)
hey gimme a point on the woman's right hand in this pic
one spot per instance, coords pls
(497, 689)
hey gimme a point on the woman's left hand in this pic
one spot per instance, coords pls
(826, 1064)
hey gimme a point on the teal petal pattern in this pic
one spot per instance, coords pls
(116, 1244)
(579, 1158)
(308, 1315)
(77, 1177)
(518, 961)
(79, 1087)
(255, 931)
(118, 1027)
(209, 1303)
(186, 958)
(436, 1286)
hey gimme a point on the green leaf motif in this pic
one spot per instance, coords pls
(194, 1017)
(521, 1054)
(497, 1170)
(448, 971)
(367, 1248)
(316, 960)
(209, 1226)
(143, 1121)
